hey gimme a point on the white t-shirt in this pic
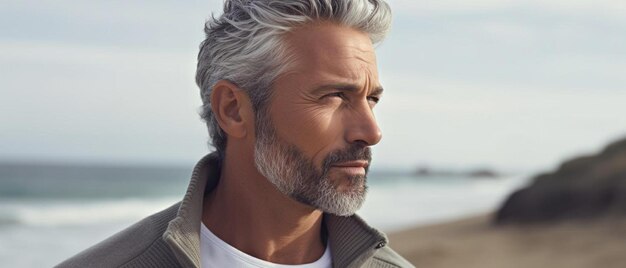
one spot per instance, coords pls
(214, 252)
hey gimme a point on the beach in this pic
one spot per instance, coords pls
(476, 242)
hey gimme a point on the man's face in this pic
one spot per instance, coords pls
(314, 142)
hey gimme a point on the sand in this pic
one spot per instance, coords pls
(474, 242)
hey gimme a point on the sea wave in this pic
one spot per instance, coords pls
(412, 201)
(73, 213)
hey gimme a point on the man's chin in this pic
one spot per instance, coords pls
(342, 204)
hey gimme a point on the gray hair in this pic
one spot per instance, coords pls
(244, 45)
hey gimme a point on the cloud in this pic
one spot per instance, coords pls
(615, 9)
(509, 83)
(144, 24)
(70, 101)
(452, 123)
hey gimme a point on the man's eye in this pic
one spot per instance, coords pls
(336, 94)
(373, 99)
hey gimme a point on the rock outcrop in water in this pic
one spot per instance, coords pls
(585, 187)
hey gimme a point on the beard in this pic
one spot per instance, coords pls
(296, 176)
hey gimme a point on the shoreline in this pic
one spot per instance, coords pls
(475, 242)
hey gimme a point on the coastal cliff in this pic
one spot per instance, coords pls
(581, 188)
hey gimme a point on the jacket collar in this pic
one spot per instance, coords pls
(352, 240)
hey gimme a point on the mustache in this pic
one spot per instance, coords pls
(352, 153)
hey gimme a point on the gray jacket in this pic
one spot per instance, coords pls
(171, 238)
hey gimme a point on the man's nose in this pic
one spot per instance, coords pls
(361, 127)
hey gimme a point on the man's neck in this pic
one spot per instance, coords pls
(246, 211)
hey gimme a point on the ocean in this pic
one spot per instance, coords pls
(51, 212)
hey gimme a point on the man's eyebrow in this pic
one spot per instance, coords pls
(377, 91)
(346, 87)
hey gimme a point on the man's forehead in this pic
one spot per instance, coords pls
(331, 52)
(326, 40)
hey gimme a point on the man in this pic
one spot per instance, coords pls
(289, 89)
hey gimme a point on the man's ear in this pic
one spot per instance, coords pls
(231, 107)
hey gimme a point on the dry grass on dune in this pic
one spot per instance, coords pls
(474, 242)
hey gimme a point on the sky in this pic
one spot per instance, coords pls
(512, 85)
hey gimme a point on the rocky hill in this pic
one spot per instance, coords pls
(583, 187)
